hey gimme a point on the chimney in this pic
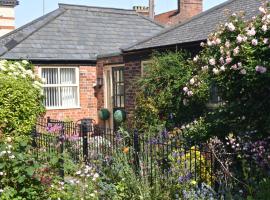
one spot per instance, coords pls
(152, 9)
(142, 10)
(189, 8)
(7, 16)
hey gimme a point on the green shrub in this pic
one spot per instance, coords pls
(160, 98)
(20, 97)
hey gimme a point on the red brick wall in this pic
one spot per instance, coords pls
(188, 9)
(88, 101)
(131, 74)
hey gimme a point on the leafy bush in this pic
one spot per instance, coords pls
(20, 97)
(160, 98)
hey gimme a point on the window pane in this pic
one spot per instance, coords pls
(69, 97)
(51, 97)
(68, 76)
(50, 75)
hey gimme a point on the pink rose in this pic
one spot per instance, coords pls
(260, 69)
(185, 89)
(254, 42)
(228, 60)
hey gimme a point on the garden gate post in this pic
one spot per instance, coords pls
(61, 142)
(84, 129)
(136, 145)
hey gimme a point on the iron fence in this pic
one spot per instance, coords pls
(165, 155)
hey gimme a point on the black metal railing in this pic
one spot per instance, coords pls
(163, 156)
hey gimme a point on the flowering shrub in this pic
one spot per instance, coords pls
(236, 59)
(20, 97)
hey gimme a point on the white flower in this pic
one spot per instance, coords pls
(8, 139)
(202, 44)
(196, 58)
(12, 157)
(209, 43)
(215, 71)
(1, 190)
(266, 41)
(78, 172)
(189, 93)
(240, 64)
(243, 71)
(1, 173)
(264, 28)
(25, 62)
(185, 89)
(254, 42)
(212, 61)
(192, 81)
(96, 175)
(222, 68)
(205, 68)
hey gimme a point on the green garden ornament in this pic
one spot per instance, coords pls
(119, 116)
(104, 114)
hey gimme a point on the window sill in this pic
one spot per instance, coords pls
(63, 108)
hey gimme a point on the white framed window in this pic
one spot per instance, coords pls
(61, 88)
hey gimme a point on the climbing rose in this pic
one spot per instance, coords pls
(243, 71)
(205, 68)
(230, 26)
(265, 40)
(236, 51)
(228, 60)
(262, 10)
(189, 93)
(251, 32)
(192, 81)
(185, 89)
(212, 61)
(260, 69)
(254, 42)
(215, 71)
(264, 28)
(222, 68)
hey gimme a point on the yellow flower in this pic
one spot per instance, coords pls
(193, 182)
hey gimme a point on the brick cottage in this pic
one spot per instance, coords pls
(91, 57)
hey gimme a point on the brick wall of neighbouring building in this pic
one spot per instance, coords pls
(132, 73)
(88, 101)
(186, 10)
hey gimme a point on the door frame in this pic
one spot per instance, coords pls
(108, 90)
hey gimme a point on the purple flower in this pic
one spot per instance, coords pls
(260, 69)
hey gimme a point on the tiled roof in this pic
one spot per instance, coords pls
(75, 32)
(199, 27)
